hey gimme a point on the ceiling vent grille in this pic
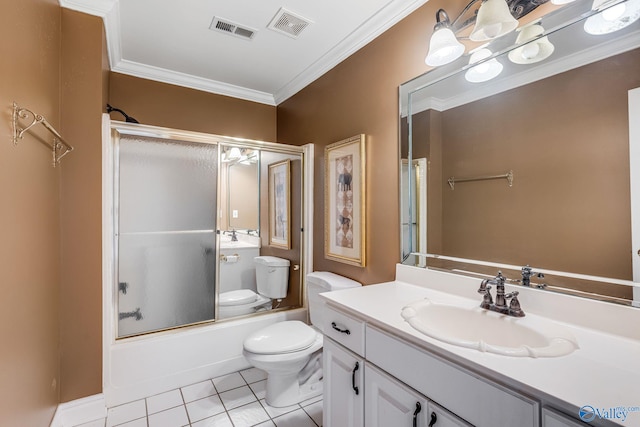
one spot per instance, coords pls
(231, 28)
(288, 23)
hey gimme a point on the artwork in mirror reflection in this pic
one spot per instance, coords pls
(566, 140)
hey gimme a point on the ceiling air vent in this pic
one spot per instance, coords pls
(231, 28)
(288, 23)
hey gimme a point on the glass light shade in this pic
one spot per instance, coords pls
(613, 18)
(444, 48)
(534, 51)
(494, 20)
(485, 71)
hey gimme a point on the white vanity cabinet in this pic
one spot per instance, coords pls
(374, 379)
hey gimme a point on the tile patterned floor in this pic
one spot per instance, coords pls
(234, 400)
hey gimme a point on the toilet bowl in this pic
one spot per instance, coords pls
(283, 350)
(241, 302)
(290, 351)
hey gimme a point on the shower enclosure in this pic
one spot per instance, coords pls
(188, 213)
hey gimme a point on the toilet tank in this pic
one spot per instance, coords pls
(272, 276)
(324, 281)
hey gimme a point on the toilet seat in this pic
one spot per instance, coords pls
(282, 337)
(237, 297)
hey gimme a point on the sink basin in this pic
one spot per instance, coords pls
(487, 331)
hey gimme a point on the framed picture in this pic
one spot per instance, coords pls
(344, 203)
(279, 205)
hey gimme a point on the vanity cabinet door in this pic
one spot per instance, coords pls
(552, 418)
(343, 388)
(391, 403)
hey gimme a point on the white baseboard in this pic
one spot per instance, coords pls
(80, 411)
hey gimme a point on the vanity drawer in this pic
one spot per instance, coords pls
(344, 329)
(467, 395)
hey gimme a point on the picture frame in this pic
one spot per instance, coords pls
(345, 201)
(280, 204)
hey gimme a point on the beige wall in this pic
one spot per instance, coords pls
(161, 104)
(29, 218)
(82, 102)
(360, 95)
(566, 139)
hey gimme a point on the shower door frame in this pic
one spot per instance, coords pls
(114, 347)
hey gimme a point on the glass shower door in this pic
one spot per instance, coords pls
(165, 233)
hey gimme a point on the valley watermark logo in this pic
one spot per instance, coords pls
(589, 413)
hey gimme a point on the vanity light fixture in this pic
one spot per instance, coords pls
(613, 17)
(493, 19)
(538, 49)
(484, 71)
(444, 47)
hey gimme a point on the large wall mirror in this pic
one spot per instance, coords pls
(523, 157)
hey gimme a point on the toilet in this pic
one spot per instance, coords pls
(291, 351)
(272, 279)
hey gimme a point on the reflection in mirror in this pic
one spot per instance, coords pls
(241, 167)
(558, 118)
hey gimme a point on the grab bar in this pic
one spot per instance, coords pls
(508, 176)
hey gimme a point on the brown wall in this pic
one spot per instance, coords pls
(82, 98)
(161, 104)
(360, 95)
(566, 139)
(29, 218)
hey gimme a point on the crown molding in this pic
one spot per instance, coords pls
(108, 10)
(390, 15)
(181, 79)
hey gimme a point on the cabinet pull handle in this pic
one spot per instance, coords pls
(434, 419)
(344, 331)
(353, 379)
(415, 414)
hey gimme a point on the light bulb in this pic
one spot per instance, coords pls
(612, 18)
(530, 51)
(614, 12)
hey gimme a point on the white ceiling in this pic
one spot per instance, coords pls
(170, 41)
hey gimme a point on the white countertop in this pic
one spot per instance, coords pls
(604, 372)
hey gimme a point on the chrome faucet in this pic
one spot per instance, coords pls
(527, 273)
(234, 236)
(500, 305)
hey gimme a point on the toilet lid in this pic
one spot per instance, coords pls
(281, 337)
(237, 297)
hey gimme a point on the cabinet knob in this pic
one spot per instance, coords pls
(353, 379)
(415, 414)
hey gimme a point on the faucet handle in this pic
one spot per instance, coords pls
(514, 305)
(487, 300)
